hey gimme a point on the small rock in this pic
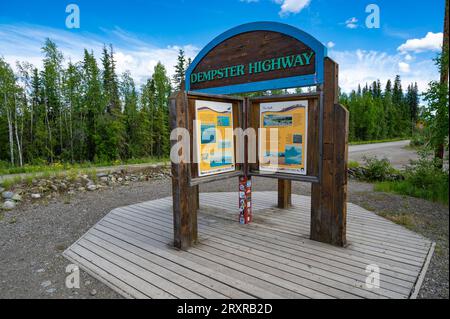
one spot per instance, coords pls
(51, 290)
(104, 179)
(93, 292)
(100, 175)
(120, 179)
(81, 189)
(46, 283)
(35, 196)
(8, 195)
(41, 270)
(91, 187)
(17, 198)
(87, 283)
(8, 205)
(2, 189)
(54, 187)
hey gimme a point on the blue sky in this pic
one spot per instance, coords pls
(144, 32)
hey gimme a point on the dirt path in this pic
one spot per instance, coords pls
(33, 237)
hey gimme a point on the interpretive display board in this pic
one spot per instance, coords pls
(289, 137)
(214, 137)
(283, 137)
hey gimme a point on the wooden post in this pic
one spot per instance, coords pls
(284, 193)
(185, 198)
(329, 197)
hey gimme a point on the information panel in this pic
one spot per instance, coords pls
(283, 137)
(214, 137)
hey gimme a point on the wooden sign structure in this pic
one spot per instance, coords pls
(255, 57)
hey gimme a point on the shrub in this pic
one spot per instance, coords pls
(423, 178)
(418, 139)
(377, 169)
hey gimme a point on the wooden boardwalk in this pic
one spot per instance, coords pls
(130, 250)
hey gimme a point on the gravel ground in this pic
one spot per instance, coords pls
(33, 236)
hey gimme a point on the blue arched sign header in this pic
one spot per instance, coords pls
(257, 56)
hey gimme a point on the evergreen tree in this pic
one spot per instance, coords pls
(161, 123)
(180, 70)
(93, 105)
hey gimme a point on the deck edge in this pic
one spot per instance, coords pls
(423, 272)
(98, 277)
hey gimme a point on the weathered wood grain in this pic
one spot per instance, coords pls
(329, 197)
(131, 250)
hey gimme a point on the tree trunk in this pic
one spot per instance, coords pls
(19, 146)
(10, 131)
(439, 152)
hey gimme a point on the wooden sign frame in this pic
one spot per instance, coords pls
(327, 139)
(280, 82)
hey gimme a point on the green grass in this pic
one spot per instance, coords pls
(379, 141)
(58, 167)
(353, 164)
(438, 192)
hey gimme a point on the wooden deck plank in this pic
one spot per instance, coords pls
(130, 249)
(291, 240)
(163, 270)
(253, 287)
(151, 275)
(111, 281)
(171, 262)
(126, 276)
(318, 261)
(268, 274)
(304, 271)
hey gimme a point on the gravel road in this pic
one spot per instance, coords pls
(33, 237)
(397, 152)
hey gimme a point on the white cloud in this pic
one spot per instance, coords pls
(408, 57)
(24, 42)
(431, 42)
(331, 44)
(360, 67)
(292, 6)
(404, 67)
(351, 23)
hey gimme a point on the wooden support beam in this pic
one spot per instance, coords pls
(284, 193)
(185, 197)
(329, 197)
